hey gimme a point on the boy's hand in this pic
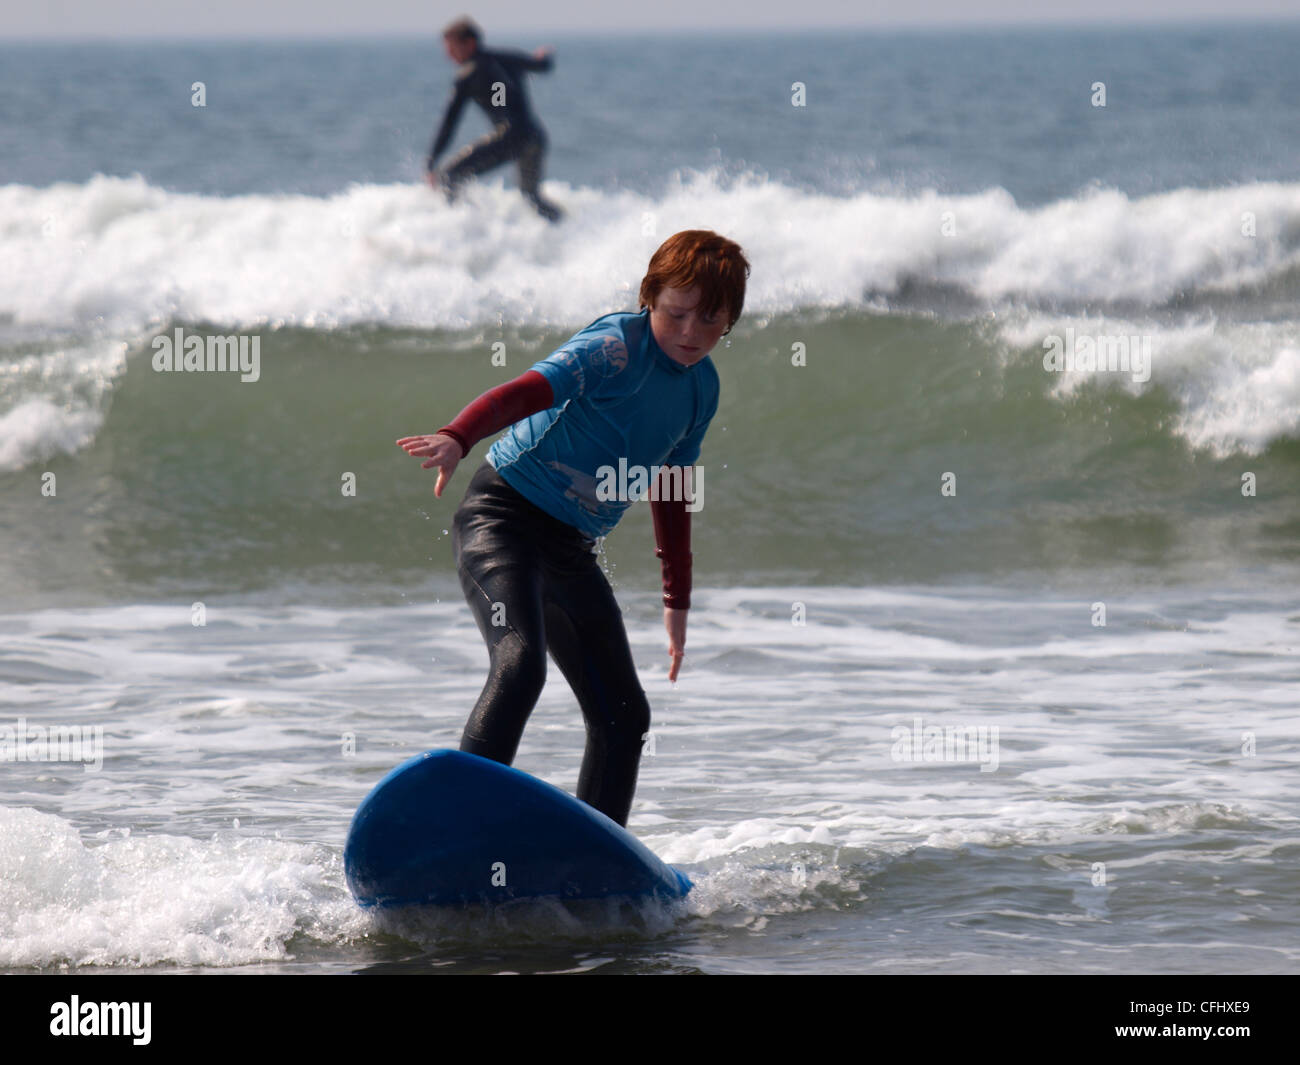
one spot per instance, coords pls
(443, 452)
(675, 623)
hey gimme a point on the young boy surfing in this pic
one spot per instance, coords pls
(637, 389)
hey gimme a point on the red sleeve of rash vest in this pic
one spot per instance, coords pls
(499, 407)
(673, 536)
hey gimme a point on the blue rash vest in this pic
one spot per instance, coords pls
(617, 396)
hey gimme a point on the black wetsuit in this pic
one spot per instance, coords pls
(495, 81)
(534, 585)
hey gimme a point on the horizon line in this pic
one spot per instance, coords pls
(398, 33)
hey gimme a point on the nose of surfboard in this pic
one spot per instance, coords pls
(449, 828)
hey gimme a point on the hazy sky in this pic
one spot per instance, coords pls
(251, 18)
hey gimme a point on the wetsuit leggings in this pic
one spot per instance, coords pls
(535, 586)
(503, 145)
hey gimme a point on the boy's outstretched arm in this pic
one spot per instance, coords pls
(442, 450)
(493, 411)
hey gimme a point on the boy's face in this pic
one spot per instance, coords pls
(685, 334)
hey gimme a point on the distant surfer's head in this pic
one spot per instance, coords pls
(462, 38)
(699, 258)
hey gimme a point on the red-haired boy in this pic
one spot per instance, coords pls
(630, 391)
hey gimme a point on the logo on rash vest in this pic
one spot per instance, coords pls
(581, 492)
(609, 356)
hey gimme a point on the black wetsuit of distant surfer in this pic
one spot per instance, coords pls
(495, 81)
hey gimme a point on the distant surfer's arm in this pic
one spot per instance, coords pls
(499, 407)
(448, 128)
(539, 62)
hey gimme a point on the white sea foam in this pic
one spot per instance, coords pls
(139, 900)
(120, 251)
(1237, 383)
(54, 403)
(772, 780)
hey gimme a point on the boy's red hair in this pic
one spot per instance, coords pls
(699, 257)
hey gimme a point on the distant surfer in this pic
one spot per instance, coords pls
(495, 81)
(630, 391)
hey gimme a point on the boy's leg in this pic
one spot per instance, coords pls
(500, 577)
(586, 637)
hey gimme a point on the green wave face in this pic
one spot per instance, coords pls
(847, 449)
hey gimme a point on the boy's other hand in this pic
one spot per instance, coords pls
(675, 623)
(442, 451)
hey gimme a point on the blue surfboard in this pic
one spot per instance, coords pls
(452, 829)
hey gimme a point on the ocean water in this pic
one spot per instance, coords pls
(992, 661)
